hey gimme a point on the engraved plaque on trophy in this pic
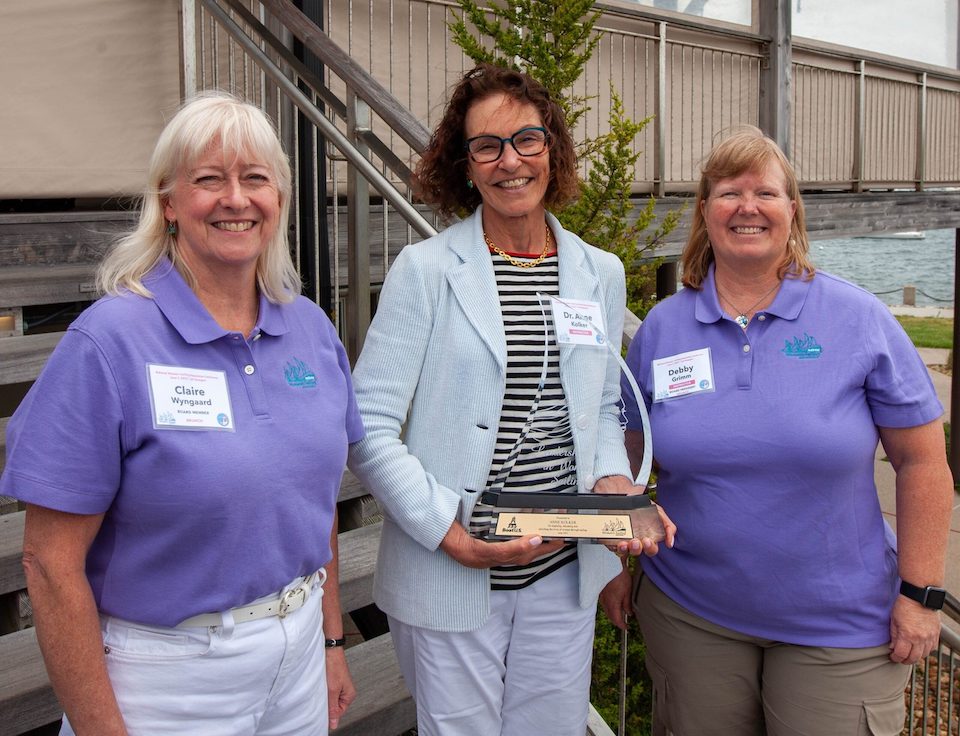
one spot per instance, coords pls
(572, 516)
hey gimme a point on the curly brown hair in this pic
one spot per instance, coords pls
(441, 175)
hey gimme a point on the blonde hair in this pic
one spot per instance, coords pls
(746, 150)
(241, 129)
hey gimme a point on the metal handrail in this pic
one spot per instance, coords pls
(699, 77)
(932, 692)
(329, 131)
(363, 84)
(410, 130)
(951, 608)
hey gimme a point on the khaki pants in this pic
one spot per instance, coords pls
(711, 681)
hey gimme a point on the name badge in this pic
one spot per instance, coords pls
(682, 374)
(577, 322)
(189, 398)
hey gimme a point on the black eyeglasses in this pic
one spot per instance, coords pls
(485, 149)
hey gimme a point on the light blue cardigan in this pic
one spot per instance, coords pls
(435, 359)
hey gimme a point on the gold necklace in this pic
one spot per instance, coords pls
(741, 318)
(516, 261)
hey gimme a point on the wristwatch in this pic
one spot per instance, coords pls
(930, 596)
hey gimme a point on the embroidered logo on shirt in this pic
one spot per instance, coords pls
(299, 375)
(804, 348)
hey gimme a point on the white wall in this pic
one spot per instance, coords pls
(921, 30)
(732, 11)
(86, 85)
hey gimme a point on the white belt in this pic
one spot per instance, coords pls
(278, 605)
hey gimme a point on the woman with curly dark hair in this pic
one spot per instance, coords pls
(493, 637)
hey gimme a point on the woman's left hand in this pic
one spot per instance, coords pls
(340, 689)
(615, 599)
(924, 504)
(633, 547)
(914, 631)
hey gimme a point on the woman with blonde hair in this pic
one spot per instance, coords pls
(180, 543)
(786, 605)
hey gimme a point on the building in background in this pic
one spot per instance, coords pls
(921, 30)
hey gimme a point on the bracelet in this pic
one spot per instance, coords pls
(331, 643)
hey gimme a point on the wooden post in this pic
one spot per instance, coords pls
(775, 73)
(358, 233)
(909, 295)
(188, 48)
(660, 121)
(860, 128)
(921, 132)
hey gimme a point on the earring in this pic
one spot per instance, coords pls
(172, 227)
(469, 183)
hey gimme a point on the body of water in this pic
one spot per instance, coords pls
(885, 265)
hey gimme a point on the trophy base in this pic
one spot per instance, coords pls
(598, 527)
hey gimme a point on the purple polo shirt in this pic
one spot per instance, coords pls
(195, 520)
(769, 478)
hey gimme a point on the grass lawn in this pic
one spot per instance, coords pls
(928, 332)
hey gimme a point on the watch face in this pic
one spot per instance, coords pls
(935, 598)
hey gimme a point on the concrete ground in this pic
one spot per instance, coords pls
(923, 311)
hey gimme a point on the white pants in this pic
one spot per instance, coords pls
(257, 678)
(525, 671)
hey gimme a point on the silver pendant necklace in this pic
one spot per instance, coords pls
(742, 319)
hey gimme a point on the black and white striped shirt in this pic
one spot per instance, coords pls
(545, 462)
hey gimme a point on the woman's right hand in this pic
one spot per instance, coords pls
(615, 599)
(472, 552)
(55, 547)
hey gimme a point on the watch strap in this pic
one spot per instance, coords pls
(331, 643)
(930, 596)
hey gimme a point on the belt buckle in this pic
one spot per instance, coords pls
(289, 598)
